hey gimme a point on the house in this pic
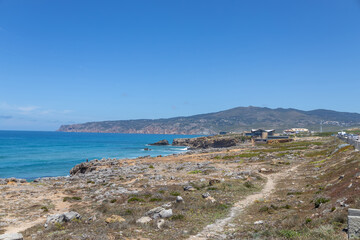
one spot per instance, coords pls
(260, 133)
(296, 130)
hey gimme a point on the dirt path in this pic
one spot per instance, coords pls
(59, 207)
(216, 230)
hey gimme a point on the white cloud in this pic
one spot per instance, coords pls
(27, 109)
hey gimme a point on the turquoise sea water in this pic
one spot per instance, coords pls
(27, 154)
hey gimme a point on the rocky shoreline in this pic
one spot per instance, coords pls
(167, 197)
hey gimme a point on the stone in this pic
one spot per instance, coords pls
(179, 199)
(69, 216)
(62, 217)
(166, 213)
(144, 220)
(155, 212)
(160, 223)
(205, 195)
(114, 219)
(11, 236)
(160, 143)
(259, 222)
(189, 188)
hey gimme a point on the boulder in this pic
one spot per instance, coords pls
(62, 217)
(144, 220)
(166, 213)
(11, 236)
(155, 212)
(160, 143)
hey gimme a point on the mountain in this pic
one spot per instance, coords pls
(235, 119)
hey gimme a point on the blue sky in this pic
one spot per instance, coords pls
(65, 61)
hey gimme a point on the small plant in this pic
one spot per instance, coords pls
(151, 166)
(195, 172)
(162, 191)
(128, 212)
(308, 220)
(59, 226)
(249, 184)
(288, 234)
(44, 208)
(320, 201)
(178, 217)
(76, 198)
(113, 201)
(135, 199)
(264, 209)
(175, 194)
(155, 199)
(92, 182)
(222, 206)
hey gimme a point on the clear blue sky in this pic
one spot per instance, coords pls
(66, 61)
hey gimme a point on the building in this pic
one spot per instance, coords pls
(260, 133)
(296, 130)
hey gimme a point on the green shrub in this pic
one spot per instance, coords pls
(178, 217)
(135, 199)
(113, 201)
(155, 199)
(151, 166)
(320, 201)
(249, 184)
(288, 234)
(195, 172)
(175, 194)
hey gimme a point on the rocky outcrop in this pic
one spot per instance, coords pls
(160, 143)
(207, 142)
(82, 168)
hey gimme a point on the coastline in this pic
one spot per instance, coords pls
(113, 197)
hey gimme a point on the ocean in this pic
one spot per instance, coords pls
(31, 154)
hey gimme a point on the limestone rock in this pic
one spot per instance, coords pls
(11, 236)
(144, 220)
(166, 213)
(155, 212)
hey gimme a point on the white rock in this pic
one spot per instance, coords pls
(11, 236)
(259, 222)
(144, 220)
(166, 213)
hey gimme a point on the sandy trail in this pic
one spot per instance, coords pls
(216, 230)
(60, 206)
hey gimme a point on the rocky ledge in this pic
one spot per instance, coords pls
(217, 141)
